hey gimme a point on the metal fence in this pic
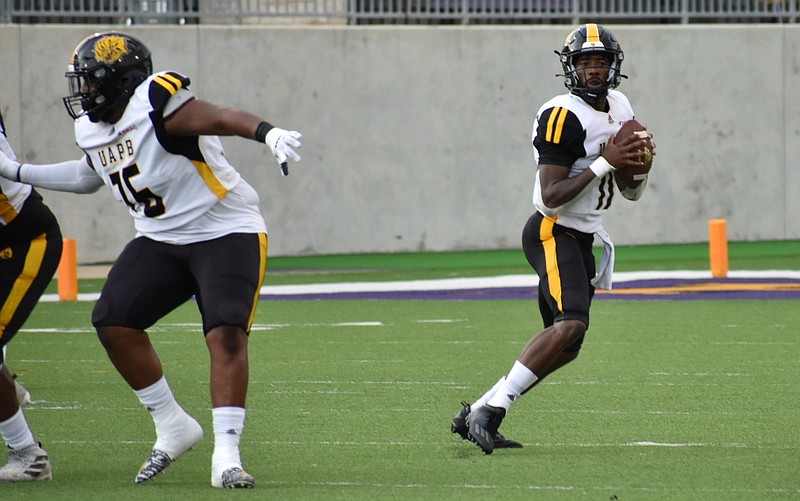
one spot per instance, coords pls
(396, 11)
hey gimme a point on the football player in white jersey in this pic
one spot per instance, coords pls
(577, 154)
(200, 232)
(30, 249)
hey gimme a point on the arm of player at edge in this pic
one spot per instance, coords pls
(198, 117)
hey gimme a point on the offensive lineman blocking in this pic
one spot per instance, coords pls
(199, 232)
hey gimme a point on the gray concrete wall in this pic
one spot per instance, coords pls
(418, 138)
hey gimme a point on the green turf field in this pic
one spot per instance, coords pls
(670, 400)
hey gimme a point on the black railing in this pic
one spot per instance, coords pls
(397, 11)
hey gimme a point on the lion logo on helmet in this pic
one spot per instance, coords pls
(110, 49)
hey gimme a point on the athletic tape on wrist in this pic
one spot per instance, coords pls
(601, 167)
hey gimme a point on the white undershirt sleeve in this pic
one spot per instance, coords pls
(74, 176)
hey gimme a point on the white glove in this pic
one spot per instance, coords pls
(282, 143)
(8, 168)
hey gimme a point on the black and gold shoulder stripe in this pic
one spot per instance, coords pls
(164, 86)
(559, 126)
(555, 124)
(559, 137)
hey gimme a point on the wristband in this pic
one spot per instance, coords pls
(262, 130)
(19, 171)
(601, 167)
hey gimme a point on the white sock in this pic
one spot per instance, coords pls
(16, 432)
(228, 428)
(162, 406)
(519, 379)
(488, 395)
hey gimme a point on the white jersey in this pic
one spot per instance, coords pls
(12, 195)
(179, 189)
(569, 132)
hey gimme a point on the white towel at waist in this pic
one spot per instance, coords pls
(604, 274)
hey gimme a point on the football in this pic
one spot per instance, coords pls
(632, 176)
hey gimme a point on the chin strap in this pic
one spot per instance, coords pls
(590, 97)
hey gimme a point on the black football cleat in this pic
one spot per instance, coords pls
(501, 442)
(483, 425)
(460, 427)
(459, 424)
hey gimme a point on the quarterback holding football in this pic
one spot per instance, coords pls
(578, 151)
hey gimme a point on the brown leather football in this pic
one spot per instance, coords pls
(632, 176)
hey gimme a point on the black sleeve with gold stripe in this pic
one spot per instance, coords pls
(559, 137)
(164, 86)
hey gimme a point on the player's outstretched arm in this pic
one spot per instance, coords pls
(198, 117)
(74, 176)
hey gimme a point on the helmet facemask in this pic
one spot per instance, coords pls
(90, 93)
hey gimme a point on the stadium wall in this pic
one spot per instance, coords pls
(418, 138)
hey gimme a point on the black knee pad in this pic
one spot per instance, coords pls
(235, 313)
(100, 313)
